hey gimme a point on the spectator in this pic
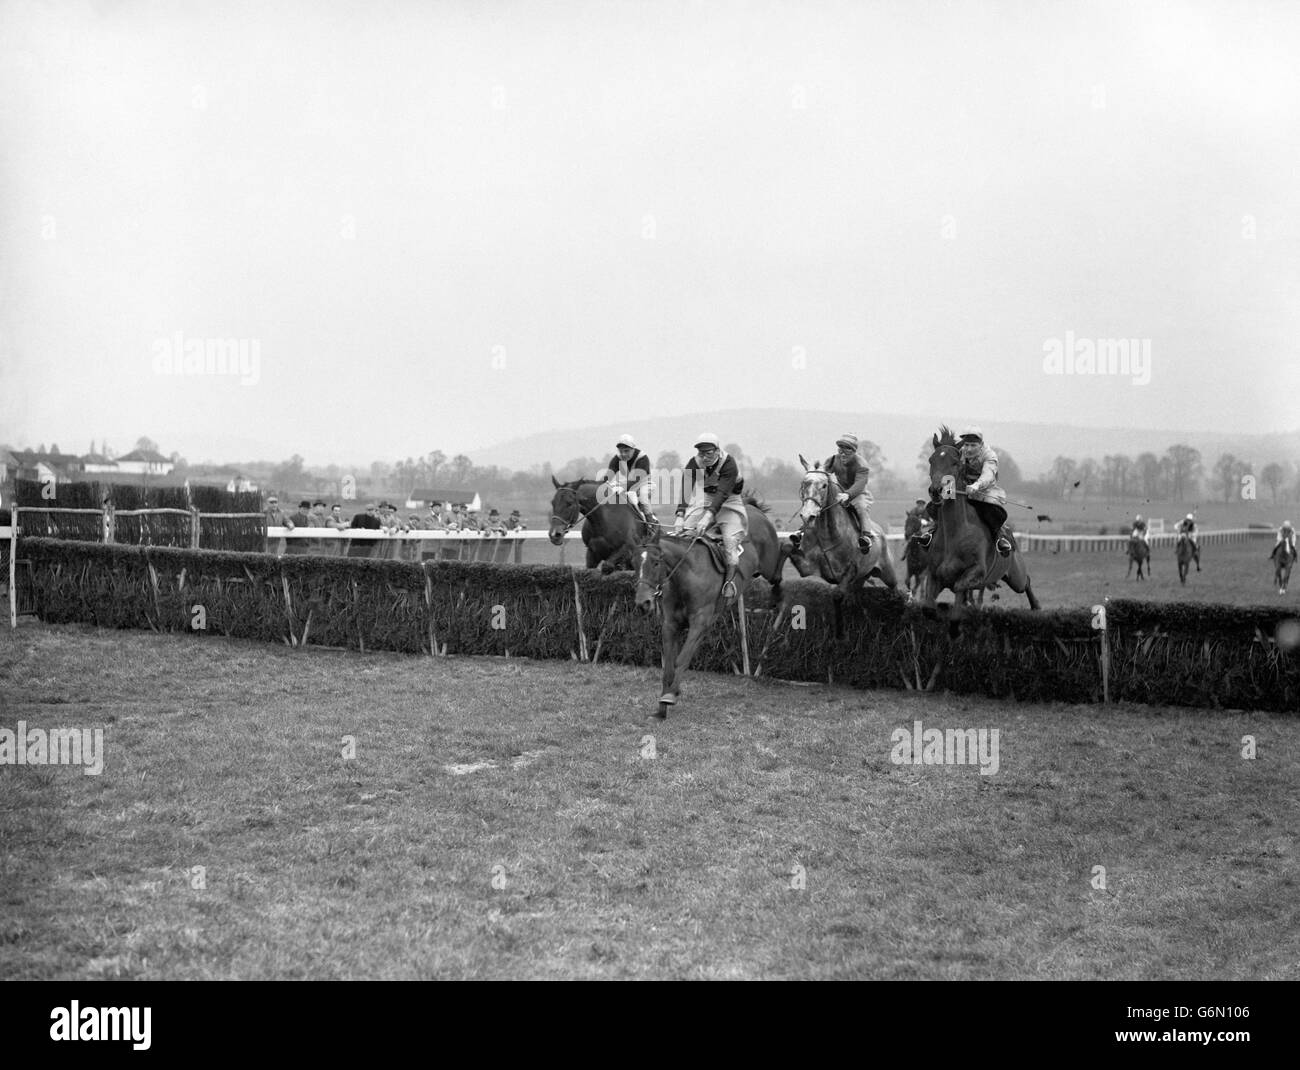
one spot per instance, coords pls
(275, 516)
(336, 519)
(432, 520)
(300, 521)
(516, 522)
(389, 520)
(495, 525)
(370, 522)
(468, 521)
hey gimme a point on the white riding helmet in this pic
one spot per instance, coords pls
(625, 440)
(1139, 519)
(970, 431)
(708, 440)
(1286, 524)
(1190, 517)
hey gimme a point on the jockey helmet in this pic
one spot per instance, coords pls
(625, 440)
(850, 441)
(1286, 525)
(707, 441)
(971, 433)
(1190, 517)
(1138, 519)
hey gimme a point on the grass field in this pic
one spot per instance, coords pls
(504, 818)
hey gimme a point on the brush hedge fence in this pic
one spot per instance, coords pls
(1193, 655)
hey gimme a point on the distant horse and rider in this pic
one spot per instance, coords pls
(1188, 548)
(1283, 556)
(970, 548)
(839, 541)
(1139, 550)
(688, 574)
(914, 554)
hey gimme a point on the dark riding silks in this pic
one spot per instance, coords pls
(721, 480)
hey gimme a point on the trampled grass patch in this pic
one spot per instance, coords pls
(761, 832)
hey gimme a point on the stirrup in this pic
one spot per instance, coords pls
(729, 589)
(864, 543)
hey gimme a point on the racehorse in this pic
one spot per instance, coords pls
(1186, 552)
(828, 546)
(963, 557)
(683, 574)
(611, 532)
(913, 553)
(1139, 552)
(1283, 558)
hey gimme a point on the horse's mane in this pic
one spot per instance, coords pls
(946, 437)
(754, 498)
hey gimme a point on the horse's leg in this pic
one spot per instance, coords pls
(671, 635)
(698, 625)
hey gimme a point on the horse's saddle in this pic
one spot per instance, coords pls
(712, 541)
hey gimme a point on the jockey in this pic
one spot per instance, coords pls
(1187, 526)
(712, 483)
(1285, 534)
(980, 470)
(850, 470)
(627, 479)
(1139, 529)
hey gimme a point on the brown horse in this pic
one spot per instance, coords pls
(913, 553)
(1187, 552)
(963, 557)
(681, 573)
(611, 532)
(1139, 553)
(828, 544)
(1283, 558)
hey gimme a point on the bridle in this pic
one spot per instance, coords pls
(659, 587)
(568, 524)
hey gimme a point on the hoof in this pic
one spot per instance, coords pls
(661, 713)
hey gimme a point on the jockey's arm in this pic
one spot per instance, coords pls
(988, 475)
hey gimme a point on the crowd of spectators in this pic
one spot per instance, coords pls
(384, 516)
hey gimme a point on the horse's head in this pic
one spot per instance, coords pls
(814, 490)
(566, 508)
(945, 461)
(649, 562)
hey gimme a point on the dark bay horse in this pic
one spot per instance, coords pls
(1139, 553)
(913, 553)
(828, 546)
(681, 571)
(1283, 558)
(1187, 552)
(963, 557)
(611, 533)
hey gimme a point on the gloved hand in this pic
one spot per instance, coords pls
(679, 525)
(705, 521)
(842, 498)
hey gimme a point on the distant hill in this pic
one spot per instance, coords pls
(785, 433)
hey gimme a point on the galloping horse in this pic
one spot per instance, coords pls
(913, 554)
(963, 557)
(829, 543)
(684, 573)
(1186, 552)
(1283, 558)
(610, 532)
(1139, 552)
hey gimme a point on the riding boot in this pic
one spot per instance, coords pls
(729, 582)
(1004, 543)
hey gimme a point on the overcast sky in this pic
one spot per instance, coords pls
(440, 226)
